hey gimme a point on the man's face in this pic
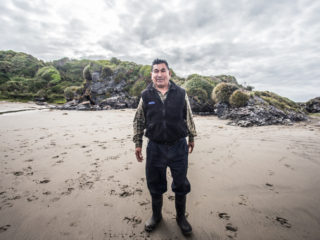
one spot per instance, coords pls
(160, 75)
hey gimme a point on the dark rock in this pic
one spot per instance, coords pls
(103, 90)
(313, 105)
(41, 103)
(221, 109)
(72, 105)
(39, 99)
(84, 106)
(257, 113)
(201, 108)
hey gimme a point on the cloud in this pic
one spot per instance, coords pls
(268, 44)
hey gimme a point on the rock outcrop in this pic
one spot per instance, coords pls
(103, 89)
(258, 113)
(313, 105)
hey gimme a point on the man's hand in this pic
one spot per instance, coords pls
(190, 146)
(139, 154)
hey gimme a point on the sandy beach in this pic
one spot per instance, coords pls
(73, 175)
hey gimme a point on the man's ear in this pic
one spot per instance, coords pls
(170, 72)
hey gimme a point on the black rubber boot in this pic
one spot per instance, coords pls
(152, 223)
(181, 217)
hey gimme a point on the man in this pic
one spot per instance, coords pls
(164, 111)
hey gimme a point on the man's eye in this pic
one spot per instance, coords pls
(163, 70)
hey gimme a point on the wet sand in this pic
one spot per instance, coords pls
(73, 175)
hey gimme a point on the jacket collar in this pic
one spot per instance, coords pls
(172, 86)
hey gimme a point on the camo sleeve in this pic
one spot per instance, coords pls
(138, 125)
(190, 123)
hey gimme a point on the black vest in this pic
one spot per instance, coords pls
(165, 121)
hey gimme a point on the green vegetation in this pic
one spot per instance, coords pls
(222, 92)
(314, 114)
(239, 98)
(277, 101)
(138, 87)
(145, 72)
(227, 79)
(49, 74)
(199, 87)
(19, 64)
(25, 78)
(72, 92)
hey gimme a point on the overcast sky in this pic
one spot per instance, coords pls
(269, 44)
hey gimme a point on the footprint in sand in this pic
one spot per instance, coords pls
(143, 203)
(284, 222)
(244, 200)
(55, 199)
(44, 181)
(270, 186)
(68, 192)
(270, 172)
(73, 224)
(32, 198)
(288, 166)
(133, 220)
(4, 228)
(171, 197)
(224, 216)
(18, 173)
(230, 227)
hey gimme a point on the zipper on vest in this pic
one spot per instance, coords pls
(164, 118)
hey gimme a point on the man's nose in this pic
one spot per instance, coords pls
(159, 73)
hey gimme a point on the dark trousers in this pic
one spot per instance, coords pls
(161, 156)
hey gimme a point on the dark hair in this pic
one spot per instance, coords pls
(159, 61)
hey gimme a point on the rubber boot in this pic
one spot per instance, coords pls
(152, 223)
(182, 221)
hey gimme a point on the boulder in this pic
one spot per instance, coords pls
(201, 108)
(84, 106)
(313, 105)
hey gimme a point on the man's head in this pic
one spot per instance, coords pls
(160, 73)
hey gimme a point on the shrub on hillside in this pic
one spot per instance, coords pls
(42, 94)
(72, 92)
(21, 64)
(106, 72)
(278, 101)
(222, 92)
(138, 87)
(199, 94)
(238, 98)
(12, 86)
(50, 74)
(145, 71)
(34, 85)
(198, 83)
(227, 79)
(4, 78)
